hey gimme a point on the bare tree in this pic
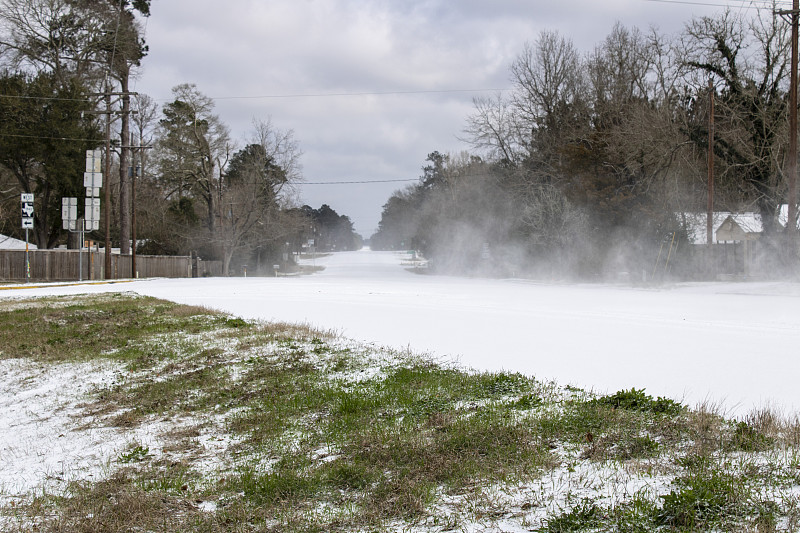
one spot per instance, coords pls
(749, 61)
(53, 36)
(251, 193)
(494, 129)
(548, 79)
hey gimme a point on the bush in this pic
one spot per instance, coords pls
(700, 499)
(637, 400)
(585, 516)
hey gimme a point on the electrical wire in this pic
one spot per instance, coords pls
(744, 4)
(49, 138)
(55, 98)
(290, 95)
(114, 48)
(365, 93)
(144, 39)
(354, 182)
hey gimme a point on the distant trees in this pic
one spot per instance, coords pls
(223, 202)
(458, 205)
(331, 231)
(590, 158)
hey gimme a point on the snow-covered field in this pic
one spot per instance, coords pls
(730, 343)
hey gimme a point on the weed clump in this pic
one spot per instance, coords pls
(585, 516)
(637, 400)
(746, 438)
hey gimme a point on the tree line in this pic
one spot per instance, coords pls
(196, 189)
(592, 162)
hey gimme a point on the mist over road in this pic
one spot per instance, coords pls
(735, 343)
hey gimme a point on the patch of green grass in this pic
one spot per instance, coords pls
(586, 516)
(135, 454)
(748, 439)
(704, 496)
(82, 328)
(637, 400)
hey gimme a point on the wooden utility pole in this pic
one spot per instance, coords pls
(791, 224)
(791, 178)
(124, 159)
(107, 169)
(710, 205)
(107, 191)
(133, 207)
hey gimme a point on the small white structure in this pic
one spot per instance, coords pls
(10, 243)
(726, 227)
(745, 229)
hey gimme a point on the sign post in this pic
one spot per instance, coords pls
(26, 199)
(69, 218)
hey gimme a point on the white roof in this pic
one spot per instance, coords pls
(696, 224)
(10, 243)
(783, 214)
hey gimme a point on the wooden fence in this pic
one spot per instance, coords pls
(65, 265)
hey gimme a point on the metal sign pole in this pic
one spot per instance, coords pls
(80, 250)
(27, 223)
(27, 259)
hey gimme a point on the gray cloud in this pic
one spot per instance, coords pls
(248, 48)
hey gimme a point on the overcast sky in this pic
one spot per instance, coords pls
(369, 87)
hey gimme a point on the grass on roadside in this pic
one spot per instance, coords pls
(321, 434)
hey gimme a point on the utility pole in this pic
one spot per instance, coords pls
(133, 207)
(136, 171)
(792, 200)
(791, 222)
(107, 198)
(107, 94)
(124, 184)
(710, 206)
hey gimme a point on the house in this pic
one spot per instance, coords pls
(746, 228)
(734, 236)
(726, 227)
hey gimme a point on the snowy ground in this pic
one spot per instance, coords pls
(734, 343)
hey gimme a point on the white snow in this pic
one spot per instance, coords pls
(40, 443)
(722, 342)
(10, 243)
(729, 343)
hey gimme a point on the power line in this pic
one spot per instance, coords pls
(365, 93)
(354, 182)
(288, 95)
(766, 4)
(49, 138)
(57, 98)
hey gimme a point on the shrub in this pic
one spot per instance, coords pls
(637, 400)
(585, 516)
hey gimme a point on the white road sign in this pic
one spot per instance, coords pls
(69, 213)
(94, 159)
(92, 179)
(27, 210)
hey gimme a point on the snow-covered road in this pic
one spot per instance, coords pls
(731, 342)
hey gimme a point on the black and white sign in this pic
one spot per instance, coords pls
(27, 210)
